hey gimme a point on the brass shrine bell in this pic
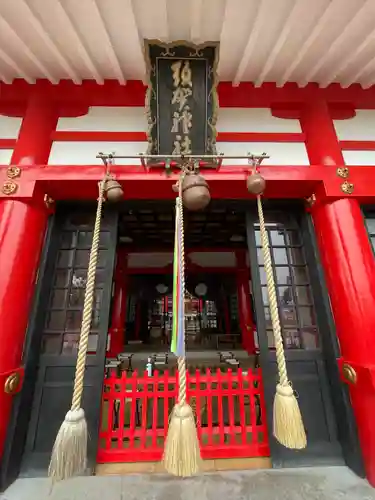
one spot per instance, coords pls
(113, 191)
(195, 192)
(256, 184)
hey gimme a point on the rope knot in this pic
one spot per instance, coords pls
(285, 390)
(75, 416)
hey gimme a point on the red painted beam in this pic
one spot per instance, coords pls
(80, 181)
(93, 136)
(357, 145)
(127, 173)
(245, 95)
(8, 143)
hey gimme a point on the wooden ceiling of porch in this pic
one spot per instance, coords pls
(151, 226)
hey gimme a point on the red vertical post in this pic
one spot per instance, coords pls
(322, 145)
(349, 267)
(22, 230)
(117, 330)
(244, 304)
(35, 137)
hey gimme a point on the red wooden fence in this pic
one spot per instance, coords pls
(229, 409)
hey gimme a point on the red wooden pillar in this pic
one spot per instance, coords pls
(244, 304)
(349, 267)
(117, 330)
(22, 230)
(322, 145)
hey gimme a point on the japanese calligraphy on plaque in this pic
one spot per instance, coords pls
(181, 99)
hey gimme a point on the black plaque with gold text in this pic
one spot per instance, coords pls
(181, 100)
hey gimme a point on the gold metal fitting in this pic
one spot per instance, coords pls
(9, 187)
(311, 200)
(347, 187)
(349, 374)
(48, 201)
(12, 383)
(13, 172)
(343, 172)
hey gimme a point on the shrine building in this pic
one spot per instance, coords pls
(145, 90)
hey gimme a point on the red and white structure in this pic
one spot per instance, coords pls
(296, 80)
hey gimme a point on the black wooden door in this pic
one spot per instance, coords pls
(308, 337)
(60, 312)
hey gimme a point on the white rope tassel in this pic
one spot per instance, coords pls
(182, 451)
(288, 426)
(69, 454)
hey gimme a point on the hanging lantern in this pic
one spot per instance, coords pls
(256, 184)
(114, 191)
(195, 192)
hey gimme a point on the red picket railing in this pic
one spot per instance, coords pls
(229, 409)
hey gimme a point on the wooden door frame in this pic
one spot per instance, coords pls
(337, 391)
(22, 403)
(21, 418)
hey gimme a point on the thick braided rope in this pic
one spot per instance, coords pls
(280, 356)
(181, 362)
(87, 306)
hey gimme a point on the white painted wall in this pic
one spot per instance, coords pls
(359, 128)
(281, 153)
(364, 158)
(9, 129)
(254, 120)
(133, 119)
(84, 153)
(5, 156)
(107, 119)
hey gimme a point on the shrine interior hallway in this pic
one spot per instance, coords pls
(318, 483)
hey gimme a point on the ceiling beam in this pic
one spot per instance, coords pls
(138, 50)
(164, 28)
(251, 42)
(38, 27)
(80, 45)
(110, 49)
(337, 42)
(367, 68)
(196, 17)
(366, 84)
(20, 72)
(5, 79)
(276, 49)
(346, 61)
(4, 25)
(314, 34)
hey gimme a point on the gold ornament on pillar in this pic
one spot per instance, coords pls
(9, 187)
(347, 187)
(343, 172)
(349, 373)
(13, 172)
